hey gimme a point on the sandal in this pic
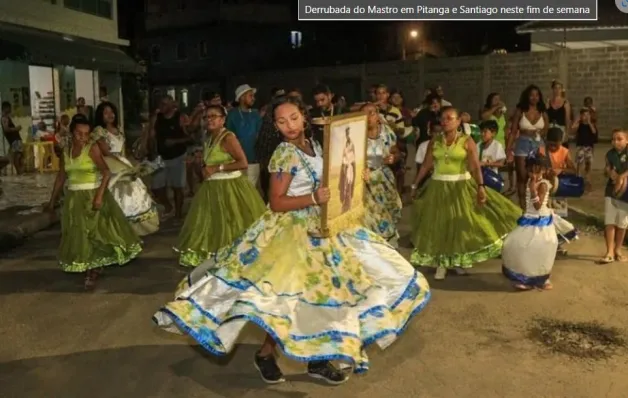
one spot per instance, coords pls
(522, 287)
(620, 257)
(606, 260)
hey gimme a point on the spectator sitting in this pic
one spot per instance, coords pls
(42, 133)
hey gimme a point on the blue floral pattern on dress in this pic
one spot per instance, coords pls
(278, 267)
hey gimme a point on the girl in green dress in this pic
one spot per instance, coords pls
(226, 203)
(457, 222)
(94, 230)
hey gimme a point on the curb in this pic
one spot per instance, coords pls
(30, 225)
(589, 218)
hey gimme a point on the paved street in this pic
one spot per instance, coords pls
(471, 341)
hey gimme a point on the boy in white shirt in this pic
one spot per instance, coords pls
(491, 152)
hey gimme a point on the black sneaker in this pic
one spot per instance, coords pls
(325, 370)
(268, 369)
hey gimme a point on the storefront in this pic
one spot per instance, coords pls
(43, 74)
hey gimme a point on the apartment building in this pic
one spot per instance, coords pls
(55, 51)
(192, 45)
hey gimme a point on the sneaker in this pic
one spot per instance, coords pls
(441, 273)
(325, 370)
(461, 271)
(268, 369)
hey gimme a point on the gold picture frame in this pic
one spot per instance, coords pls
(344, 162)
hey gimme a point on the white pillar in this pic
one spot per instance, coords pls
(96, 80)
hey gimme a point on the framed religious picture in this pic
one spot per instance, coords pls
(344, 157)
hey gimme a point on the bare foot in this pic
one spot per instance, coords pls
(547, 285)
(620, 257)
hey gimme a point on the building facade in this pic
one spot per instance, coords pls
(610, 30)
(55, 51)
(191, 46)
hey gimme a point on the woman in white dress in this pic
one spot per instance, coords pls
(131, 194)
(318, 299)
(530, 249)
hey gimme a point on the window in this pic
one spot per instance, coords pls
(296, 38)
(203, 51)
(181, 51)
(155, 54)
(101, 8)
(184, 98)
(172, 93)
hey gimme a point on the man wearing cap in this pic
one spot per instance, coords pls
(245, 122)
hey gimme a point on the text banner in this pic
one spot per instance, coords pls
(461, 10)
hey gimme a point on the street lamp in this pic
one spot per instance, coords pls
(414, 34)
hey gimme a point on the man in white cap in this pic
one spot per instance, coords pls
(246, 122)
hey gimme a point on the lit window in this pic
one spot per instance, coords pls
(203, 50)
(155, 54)
(172, 93)
(184, 97)
(296, 39)
(181, 52)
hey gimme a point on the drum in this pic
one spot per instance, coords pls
(568, 186)
(492, 179)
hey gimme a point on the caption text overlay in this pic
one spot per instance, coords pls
(409, 10)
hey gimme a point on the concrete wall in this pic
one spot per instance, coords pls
(43, 15)
(600, 73)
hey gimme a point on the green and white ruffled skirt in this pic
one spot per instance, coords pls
(451, 230)
(94, 238)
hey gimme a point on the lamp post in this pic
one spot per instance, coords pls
(412, 35)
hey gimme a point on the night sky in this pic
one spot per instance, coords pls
(459, 38)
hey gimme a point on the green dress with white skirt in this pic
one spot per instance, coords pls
(92, 238)
(449, 228)
(225, 205)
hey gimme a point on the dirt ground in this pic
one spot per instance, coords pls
(472, 340)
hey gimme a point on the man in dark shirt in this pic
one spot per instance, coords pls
(428, 116)
(12, 134)
(172, 141)
(586, 137)
(615, 208)
(323, 109)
